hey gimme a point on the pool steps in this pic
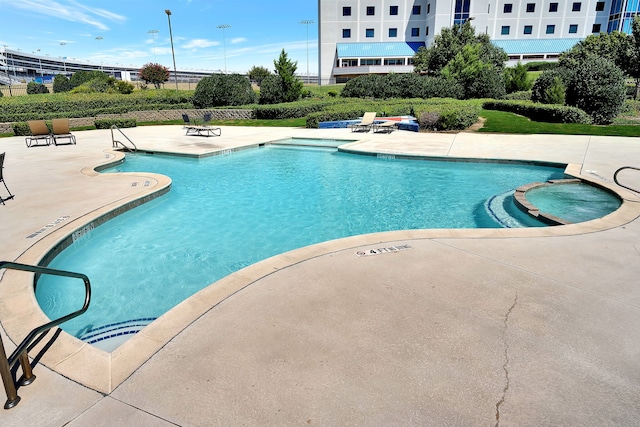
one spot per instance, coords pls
(109, 337)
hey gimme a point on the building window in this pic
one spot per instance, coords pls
(369, 32)
(595, 29)
(393, 32)
(394, 61)
(346, 33)
(508, 8)
(531, 7)
(429, 8)
(551, 29)
(371, 10)
(370, 62)
(600, 6)
(415, 32)
(416, 10)
(576, 7)
(505, 30)
(553, 7)
(393, 10)
(528, 29)
(573, 28)
(346, 11)
(349, 62)
(426, 31)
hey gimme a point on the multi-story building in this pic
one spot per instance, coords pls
(381, 36)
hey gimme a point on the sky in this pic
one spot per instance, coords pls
(118, 32)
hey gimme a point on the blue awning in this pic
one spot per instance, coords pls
(535, 46)
(378, 50)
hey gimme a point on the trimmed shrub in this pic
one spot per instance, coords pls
(80, 77)
(120, 122)
(448, 116)
(34, 88)
(22, 128)
(401, 86)
(518, 96)
(546, 80)
(488, 84)
(598, 88)
(61, 84)
(272, 90)
(439, 87)
(555, 94)
(223, 90)
(541, 112)
(540, 65)
(290, 110)
(123, 87)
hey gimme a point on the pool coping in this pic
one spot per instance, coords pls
(104, 371)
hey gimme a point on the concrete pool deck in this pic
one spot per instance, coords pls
(463, 327)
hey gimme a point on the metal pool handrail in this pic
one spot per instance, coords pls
(615, 177)
(21, 352)
(115, 142)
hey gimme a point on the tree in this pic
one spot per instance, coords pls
(154, 73)
(81, 77)
(286, 69)
(479, 78)
(223, 90)
(271, 90)
(34, 88)
(542, 85)
(598, 88)
(555, 94)
(257, 74)
(61, 84)
(449, 42)
(633, 68)
(517, 79)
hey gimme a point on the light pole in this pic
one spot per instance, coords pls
(224, 44)
(175, 71)
(64, 59)
(306, 22)
(100, 38)
(153, 38)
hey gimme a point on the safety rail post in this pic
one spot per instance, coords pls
(615, 177)
(21, 352)
(115, 142)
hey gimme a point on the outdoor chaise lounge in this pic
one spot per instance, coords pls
(61, 131)
(365, 124)
(2, 199)
(385, 127)
(201, 130)
(39, 133)
(187, 120)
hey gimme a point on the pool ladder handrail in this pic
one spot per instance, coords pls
(21, 352)
(115, 142)
(615, 177)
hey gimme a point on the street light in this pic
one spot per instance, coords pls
(100, 38)
(175, 71)
(224, 44)
(153, 38)
(64, 59)
(307, 22)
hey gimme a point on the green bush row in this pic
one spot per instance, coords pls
(450, 115)
(20, 108)
(120, 122)
(289, 110)
(551, 113)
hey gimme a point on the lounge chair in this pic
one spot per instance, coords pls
(203, 131)
(365, 124)
(187, 120)
(61, 131)
(2, 199)
(39, 133)
(387, 126)
(206, 118)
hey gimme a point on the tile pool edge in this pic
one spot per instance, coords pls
(104, 371)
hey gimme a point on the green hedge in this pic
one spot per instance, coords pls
(289, 110)
(448, 115)
(22, 128)
(120, 122)
(48, 106)
(549, 113)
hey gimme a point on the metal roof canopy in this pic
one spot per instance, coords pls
(378, 50)
(533, 46)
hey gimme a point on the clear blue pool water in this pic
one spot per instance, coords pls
(226, 212)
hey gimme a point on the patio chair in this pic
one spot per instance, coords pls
(387, 126)
(39, 133)
(2, 199)
(365, 124)
(206, 118)
(187, 120)
(61, 131)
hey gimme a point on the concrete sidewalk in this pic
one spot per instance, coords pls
(464, 327)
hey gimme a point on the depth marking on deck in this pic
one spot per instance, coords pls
(49, 226)
(379, 251)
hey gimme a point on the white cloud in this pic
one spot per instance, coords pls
(199, 43)
(70, 11)
(238, 40)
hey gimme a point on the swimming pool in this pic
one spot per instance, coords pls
(226, 212)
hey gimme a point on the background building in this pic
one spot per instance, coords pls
(17, 67)
(380, 36)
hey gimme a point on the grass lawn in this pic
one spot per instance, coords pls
(503, 122)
